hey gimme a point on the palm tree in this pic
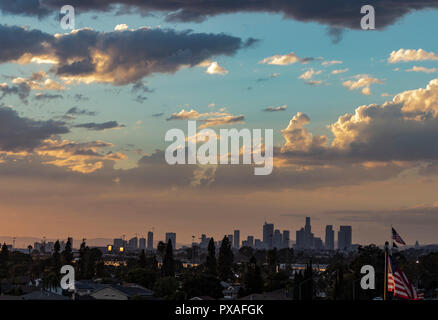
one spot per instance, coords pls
(29, 247)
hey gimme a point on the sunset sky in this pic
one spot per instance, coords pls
(83, 115)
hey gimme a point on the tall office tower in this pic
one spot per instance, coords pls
(236, 239)
(172, 237)
(250, 241)
(329, 238)
(307, 227)
(304, 236)
(133, 243)
(344, 238)
(277, 240)
(258, 244)
(268, 235)
(286, 239)
(150, 240)
(230, 239)
(142, 243)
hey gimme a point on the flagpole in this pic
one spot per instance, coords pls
(385, 286)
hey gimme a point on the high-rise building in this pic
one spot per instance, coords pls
(277, 240)
(236, 239)
(150, 240)
(250, 241)
(344, 238)
(133, 243)
(230, 239)
(329, 238)
(286, 239)
(172, 237)
(268, 235)
(142, 243)
(258, 244)
(304, 236)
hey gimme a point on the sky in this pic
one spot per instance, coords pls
(84, 113)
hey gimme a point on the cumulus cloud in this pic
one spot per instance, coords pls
(338, 71)
(118, 57)
(40, 81)
(213, 67)
(422, 69)
(275, 109)
(331, 62)
(363, 81)
(85, 157)
(285, 59)
(309, 74)
(407, 55)
(208, 119)
(403, 130)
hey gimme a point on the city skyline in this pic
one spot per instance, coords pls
(328, 240)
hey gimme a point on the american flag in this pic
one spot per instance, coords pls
(399, 283)
(396, 237)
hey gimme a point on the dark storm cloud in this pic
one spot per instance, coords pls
(100, 126)
(18, 134)
(16, 41)
(338, 13)
(128, 55)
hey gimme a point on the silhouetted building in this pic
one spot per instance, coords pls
(268, 235)
(172, 237)
(344, 238)
(236, 239)
(133, 243)
(329, 238)
(142, 243)
(277, 240)
(286, 239)
(150, 240)
(304, 236)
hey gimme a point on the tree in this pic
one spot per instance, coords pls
(201, 284)
(4, 259)
(168, 268)
(252, 278)
(142, 259)
(67, 254)
(143, 277)
(56, 257)
(271, 259)
(29, 248)
(225, 261)
(161, 249)
(166, 288)
(211, 264)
